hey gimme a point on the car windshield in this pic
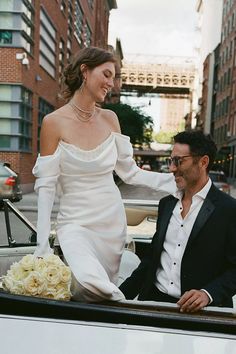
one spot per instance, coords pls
(218, 177)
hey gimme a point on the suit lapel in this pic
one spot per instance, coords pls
(204, 214)
(165, 218)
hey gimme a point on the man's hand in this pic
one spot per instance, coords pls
(193, 300)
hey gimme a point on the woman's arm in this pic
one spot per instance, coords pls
(49, 135)
(47, 171)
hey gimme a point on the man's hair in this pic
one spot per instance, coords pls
(199, 144)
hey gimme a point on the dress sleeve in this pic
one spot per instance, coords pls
(130, 173)
(46, 170)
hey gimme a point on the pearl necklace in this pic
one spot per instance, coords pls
(82, 115)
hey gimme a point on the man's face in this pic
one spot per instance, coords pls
(185, 167)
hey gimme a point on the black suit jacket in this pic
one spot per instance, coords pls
(209, 260)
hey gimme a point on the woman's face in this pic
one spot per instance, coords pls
(100, 80)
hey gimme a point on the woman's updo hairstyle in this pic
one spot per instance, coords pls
(72, 77)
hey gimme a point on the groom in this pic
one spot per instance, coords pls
(192, 257)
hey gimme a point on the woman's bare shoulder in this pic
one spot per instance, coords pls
(51, 131)
(112, 119)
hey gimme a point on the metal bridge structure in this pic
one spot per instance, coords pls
(159, 78)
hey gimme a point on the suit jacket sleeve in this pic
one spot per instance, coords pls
(224, 286)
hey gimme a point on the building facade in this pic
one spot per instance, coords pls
(173, 110)
(209, 30)
(218, 110)
(37, 38)
(225, 109)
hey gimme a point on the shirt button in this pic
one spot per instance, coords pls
(174, 263)
(171, 282)
(178, 244)
(182, 225)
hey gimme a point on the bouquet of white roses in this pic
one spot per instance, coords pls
(45, 277)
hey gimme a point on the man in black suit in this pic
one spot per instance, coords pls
(192, 257)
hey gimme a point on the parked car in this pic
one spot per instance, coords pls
(9, 184)
(220, 181)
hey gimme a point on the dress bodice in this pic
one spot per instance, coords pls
(76, 161)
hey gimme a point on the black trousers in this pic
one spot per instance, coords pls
(156, 295)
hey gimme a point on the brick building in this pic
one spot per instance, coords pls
(225, 110)
(218, 104)
(36, 40)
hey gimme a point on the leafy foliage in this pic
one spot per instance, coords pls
(133, 122)
(164, 137)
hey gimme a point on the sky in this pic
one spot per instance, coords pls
(154, 27)
(150, 28)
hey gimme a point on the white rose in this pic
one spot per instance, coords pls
(62, 292)
(17, 272)
(40, 264)
(34, 284)
(12, 285)
(52, 259)
(27, 262)
(65, 274)
(52, 274)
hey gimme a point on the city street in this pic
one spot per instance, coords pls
(28, 206)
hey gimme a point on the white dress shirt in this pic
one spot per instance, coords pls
(177, 235)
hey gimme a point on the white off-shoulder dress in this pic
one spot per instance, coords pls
(91, 222)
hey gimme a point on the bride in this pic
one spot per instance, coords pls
(80, 147)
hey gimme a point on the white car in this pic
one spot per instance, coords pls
(36, 325)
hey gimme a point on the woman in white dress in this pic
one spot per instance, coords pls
(80, 147)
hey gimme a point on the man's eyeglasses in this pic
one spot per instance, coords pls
(177, 160)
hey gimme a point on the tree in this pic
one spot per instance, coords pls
(133, 122)
(164, 137)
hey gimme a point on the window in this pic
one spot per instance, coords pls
(15, 118)
(78, 22)
(61, 55)
(87, 35)
(5, 37)
(47, 44)
(6, 20)
(63, 6)
(5, 142)
(25, 124)
(5, 126)
(6, 5)
(27, 25)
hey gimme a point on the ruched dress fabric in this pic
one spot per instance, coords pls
(91, 222)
